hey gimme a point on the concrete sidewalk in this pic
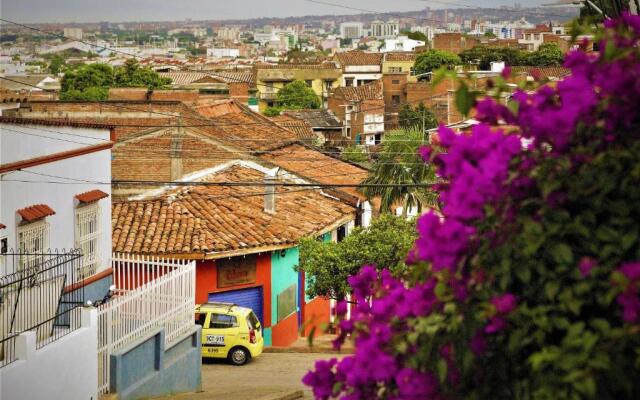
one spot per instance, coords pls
(319, 344)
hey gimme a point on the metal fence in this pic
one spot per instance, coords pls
(33, 298)
(151, 293)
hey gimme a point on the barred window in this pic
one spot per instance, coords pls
(395, 69)
(88, 234)
(33, 242)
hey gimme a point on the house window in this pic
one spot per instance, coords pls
(348, 82)
(33, 241)
(309, 83)
(348, 132)
(342, 233)
(395, 82)
(395, 69)
(88, 235)
(395, 100)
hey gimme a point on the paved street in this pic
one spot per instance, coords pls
(268, 374)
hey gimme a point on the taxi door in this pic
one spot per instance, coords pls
(221, 335)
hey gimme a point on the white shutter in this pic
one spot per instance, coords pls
(88, 237)
(33, 242)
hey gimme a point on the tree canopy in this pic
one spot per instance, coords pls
(435, 59)
(548, 54)
(91, 82)
(327, 265)
(418, 116)
(399, 163)
(297, 95)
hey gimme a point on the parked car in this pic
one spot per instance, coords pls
(229, 331)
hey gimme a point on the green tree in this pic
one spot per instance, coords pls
(132, 75)
(56, 64)
(297, 95)
(418, 116)
(435, 59)
(327, 265)
(92, 82)
(416, 36)
(272, 111)
(399, 163)
(548, 54)
(76, 82)
(490, 35)
(354, 154)
(483, 56)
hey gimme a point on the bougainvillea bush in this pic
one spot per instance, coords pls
(526, 285)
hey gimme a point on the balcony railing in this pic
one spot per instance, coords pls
(34, 299)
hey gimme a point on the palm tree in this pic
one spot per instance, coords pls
(399, 163)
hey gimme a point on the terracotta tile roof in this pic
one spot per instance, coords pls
(189, 77)
(49, 122)
(216, 219)
(359, 58)
(2, 226)
(249, 130)
(317, 118)
(301, 128)
(400, 56)
(370, 91)
(544, 72)
(35, 212)
(91, 196)
(324, 65)
(218, 108)
(313, 164)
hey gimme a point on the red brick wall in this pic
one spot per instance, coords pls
(391, 89)
(453, 42)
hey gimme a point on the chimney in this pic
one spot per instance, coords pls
(175, 154)
(270, 191)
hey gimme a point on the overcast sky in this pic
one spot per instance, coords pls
(162, 10)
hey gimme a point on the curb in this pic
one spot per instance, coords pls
(293, 395)
(305, 350)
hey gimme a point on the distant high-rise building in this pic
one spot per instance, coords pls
(382, 30)
(351, 30)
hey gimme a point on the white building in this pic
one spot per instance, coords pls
(228, 33)
(55, 189)
(72, 33)
(223, 53)
(402, 43)
(351, 30)
(383, 30)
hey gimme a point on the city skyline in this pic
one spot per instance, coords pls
(87, 11)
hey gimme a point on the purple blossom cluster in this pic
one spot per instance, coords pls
(481, 170)
(629, 299)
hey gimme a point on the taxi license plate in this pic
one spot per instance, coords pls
(216, 340)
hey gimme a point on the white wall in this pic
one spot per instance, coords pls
(20, 189)
(65, 369)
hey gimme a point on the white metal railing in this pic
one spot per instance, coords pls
(151, 293)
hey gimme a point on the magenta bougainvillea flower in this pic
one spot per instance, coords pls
(403, 349)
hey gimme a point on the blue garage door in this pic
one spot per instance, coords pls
(251, 298)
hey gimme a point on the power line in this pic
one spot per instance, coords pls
(212, 123)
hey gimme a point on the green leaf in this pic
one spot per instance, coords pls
(562, 253)
(465, 99)
(551, 289)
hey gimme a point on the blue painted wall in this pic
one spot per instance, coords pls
(147, 369)
(266, 336)
(283, 275)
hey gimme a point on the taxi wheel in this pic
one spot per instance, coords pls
(239, 356)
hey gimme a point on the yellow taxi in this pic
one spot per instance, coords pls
(229, 331)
